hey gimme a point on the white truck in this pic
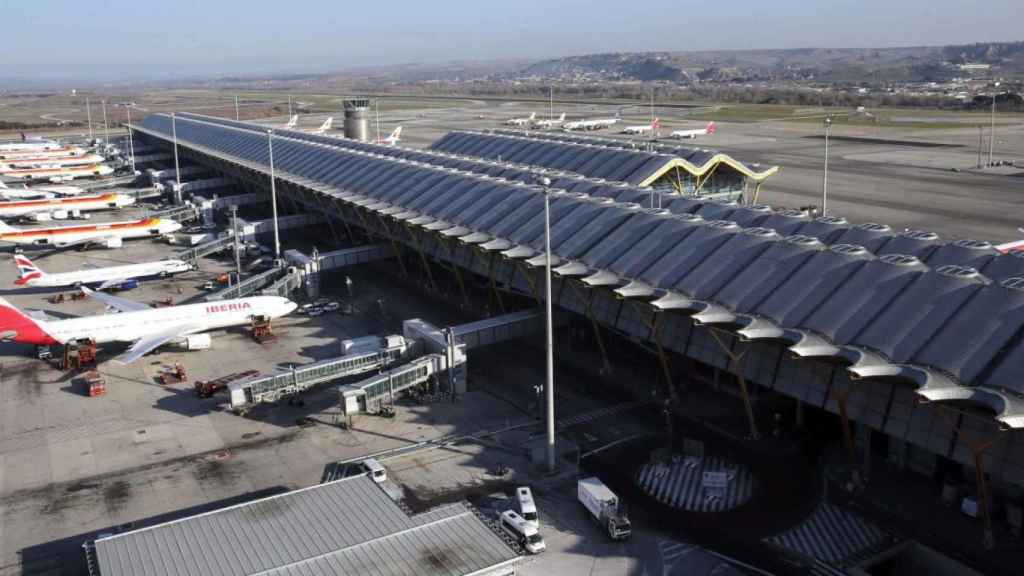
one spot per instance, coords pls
(603, 506)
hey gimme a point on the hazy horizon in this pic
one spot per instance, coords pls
(105, 41)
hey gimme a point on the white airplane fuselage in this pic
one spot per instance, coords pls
(100, 275)
(132, 326)
(67, 235)
(49, 162)
(83, 203)
(68, 173)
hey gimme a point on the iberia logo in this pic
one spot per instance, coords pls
(228, 307)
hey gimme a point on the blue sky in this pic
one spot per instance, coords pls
(98, 38)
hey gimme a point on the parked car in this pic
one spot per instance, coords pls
(332, 307)
(316, 311)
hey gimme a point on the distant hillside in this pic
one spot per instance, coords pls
(921, 64)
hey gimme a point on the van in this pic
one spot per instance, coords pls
(527, 509)
(377, 472)
(524, 533)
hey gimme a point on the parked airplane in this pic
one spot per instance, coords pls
(88, 203)
(705, 131)
(58, 174)
(14, 164)
(11, 155)
(521, 121)
(596, 124)
(107, 277)
(1015, 246)
(107, 234)
(642, 128)
(36, 193)
(26, 145)
(550, 123)
(146, 328)
(393, 139)
(292, 122)
(325, 127)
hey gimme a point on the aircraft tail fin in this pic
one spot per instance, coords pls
(4, 227)
(27, 271)
(711, 127)
(2, 185)
(397, 133)
(533, 116)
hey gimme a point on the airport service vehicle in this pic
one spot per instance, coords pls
(12, 164)
(603, 506)
(1015, 246)
(596, 124)
(521, 121)
(60, 174)
(550, 123)
(527, 508)
(141, 325)
(643, 128)
(101, 278)
(88, 203)
(376, 471)
(683, 134)
(521, 531)
(393, 139)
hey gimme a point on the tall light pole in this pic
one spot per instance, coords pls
(238, 255)
(289, 107)
(549, 386)
(88, 115)
(237, 117)
(106, 128)
(980, 131)
(992, 125)
(273, 194)
(551, 102)
(177, 168)
(131, 144)
(824, 183)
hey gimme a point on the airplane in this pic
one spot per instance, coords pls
(705, 131)
(550, 123)
(521, 121)
(26, 145)
(11, 155)
(642, 128)
(292, 122)
(88, 203)
(323, 127)
(31, 275)
(144, 327)
(58, 174)
(1009, 247)
(37, 193)
(393, 139)
(106, 234)
(596, 124)
(44, 162)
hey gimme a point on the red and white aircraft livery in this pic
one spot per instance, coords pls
(37, 193)
(12, 164)
(393, 139)
(31, 275)
(144, 327)
(58, 173)
(683, 134)
(88, 203)
(1015, 246)
(31, 147)
(107, 234)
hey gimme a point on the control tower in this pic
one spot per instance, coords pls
(357, 125)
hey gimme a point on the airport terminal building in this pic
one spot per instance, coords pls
(906, 347)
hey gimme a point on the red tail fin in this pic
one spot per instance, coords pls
(16, 326)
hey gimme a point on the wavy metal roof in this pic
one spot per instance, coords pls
(600, 157)
(948, 316)
(345, 527)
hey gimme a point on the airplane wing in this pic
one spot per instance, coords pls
(148, 343)
(112, 282)
(39, 315)
(102, 240)
(120, 304)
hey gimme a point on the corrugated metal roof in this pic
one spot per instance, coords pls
(345, 527)
(845, 296)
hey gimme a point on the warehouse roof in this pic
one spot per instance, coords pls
(949, 316)
(348, 526)
(602, 158)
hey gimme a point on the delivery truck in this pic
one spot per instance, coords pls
(603, 506)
